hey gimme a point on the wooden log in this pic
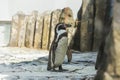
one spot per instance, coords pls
(30, 31)
(22, 31)
(14, 36)
(46, 29)
(38, 32)
(54, 21)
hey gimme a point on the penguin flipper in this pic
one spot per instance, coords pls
(54, 49)
(50, 61)
(69, 55)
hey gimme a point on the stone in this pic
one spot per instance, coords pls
(103, 76)
(106, 30)
(76, 45)
(110, 66)
(66, 17)
(86, 26)
(100, 13)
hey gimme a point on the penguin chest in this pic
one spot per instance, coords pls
(61, 51)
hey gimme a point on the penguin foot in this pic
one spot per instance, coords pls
(62, 70)
(52, 69)
(49, 68)
(69, 61)
(59, 70)
(69, 55)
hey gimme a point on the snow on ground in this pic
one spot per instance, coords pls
(30, 64)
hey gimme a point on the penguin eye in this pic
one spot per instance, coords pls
(70, 15)
(61, 27)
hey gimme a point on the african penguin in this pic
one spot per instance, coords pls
(58, 48)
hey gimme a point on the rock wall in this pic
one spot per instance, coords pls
(105, 31)
(99, 22)
(110, 66)
(93, 24)
(86, 25)
(66, 17)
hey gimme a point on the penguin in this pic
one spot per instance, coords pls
(58, 48)
(66, 17)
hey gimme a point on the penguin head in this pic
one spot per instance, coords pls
(66, 17)
(60, 27)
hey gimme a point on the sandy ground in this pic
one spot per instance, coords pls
(31, 64)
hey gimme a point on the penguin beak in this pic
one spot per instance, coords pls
(65, 27)
(68, 25)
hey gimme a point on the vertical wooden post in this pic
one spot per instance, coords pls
(14, 36)
(30, 31)
(55, 19)
(22, 30)
(38, 32)
(46, 29)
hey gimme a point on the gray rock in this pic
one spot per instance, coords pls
(86, 25)
(100, 13)
(110, 68)
(66, 17)
(106, 30)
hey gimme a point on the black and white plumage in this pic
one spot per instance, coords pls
(58, 47)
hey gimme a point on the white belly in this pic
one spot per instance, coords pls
(61, 51)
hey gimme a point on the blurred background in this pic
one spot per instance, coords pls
(8, 8)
